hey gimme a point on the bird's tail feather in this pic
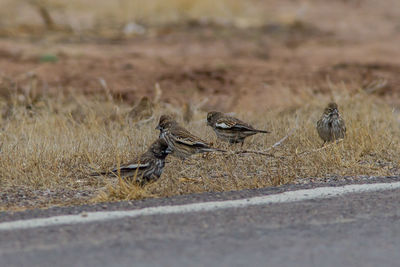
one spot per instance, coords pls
(263, 131)
(217, 149)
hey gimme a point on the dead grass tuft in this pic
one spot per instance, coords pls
(123, 190)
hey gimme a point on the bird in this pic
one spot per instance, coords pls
(146, 168)
(142, 111)
(230, 129)
(181, 141)
(331, 126)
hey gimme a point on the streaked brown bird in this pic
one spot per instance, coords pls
(146, 168)
(331, 126)
(181, 141)
(142, 110)
(230, 129)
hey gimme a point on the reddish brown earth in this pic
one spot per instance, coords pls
(351, 42)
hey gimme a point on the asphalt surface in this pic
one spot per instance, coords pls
(361, 229)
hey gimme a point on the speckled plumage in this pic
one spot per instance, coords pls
(147, 167)
(230, 129)
(331, 126)
(181, 141)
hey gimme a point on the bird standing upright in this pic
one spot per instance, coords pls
(146, 168)
(230, 129)
(181, 141)
(331, 126)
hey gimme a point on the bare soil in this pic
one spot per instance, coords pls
(350, 42)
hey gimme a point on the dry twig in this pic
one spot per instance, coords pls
(319, 149)
(271, 147)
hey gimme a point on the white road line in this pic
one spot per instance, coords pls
(290, 196)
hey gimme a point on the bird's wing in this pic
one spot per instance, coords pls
(139, 163)
(185, 137)
(232, 124)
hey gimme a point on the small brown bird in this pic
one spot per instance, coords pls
(331, 126)
(230, 129)
(142, 110)
(146, 168)
(181, 141)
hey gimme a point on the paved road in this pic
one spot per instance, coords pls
(361, 229)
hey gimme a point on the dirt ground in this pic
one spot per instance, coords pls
(350, 44)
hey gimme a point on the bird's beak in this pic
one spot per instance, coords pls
(168, 150)
(158, 127)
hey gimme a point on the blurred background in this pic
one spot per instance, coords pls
(253, 54)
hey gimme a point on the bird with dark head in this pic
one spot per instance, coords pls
(165, 122)
(331, 126)
(181, 141)
(146, 168)
(230, 129)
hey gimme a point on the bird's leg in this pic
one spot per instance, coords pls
(323, 144)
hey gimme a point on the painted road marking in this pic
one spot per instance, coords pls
(285, 197)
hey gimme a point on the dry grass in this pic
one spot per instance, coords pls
(55, 142)
(100, 15)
